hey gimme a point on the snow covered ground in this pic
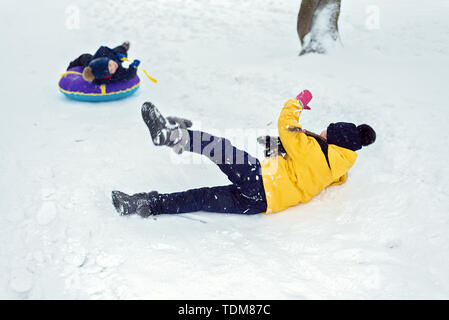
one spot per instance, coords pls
(224, 64)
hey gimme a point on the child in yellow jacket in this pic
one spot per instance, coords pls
(309, 163)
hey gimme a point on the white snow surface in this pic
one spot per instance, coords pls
(225, 64)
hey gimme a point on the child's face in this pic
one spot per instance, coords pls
(324, 134)
(112, 66)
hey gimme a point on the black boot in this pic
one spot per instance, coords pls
(143, 204)
(126, 45)
(165, 133)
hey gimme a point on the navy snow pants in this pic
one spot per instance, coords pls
(246, 194)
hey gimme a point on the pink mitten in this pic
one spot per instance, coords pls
(304, 97)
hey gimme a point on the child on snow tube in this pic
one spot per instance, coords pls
(105, 66)
(309, 163)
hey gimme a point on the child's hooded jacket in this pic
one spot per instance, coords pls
(122, 74)
(304, 171)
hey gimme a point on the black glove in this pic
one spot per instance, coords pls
(273, 145)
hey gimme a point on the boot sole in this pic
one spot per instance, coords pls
(119, 203)
(155, 122)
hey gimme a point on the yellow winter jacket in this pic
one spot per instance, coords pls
(303, 172)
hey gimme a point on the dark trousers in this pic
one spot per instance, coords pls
(84, 59)
(246, 194)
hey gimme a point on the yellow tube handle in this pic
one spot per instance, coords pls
(144, 71)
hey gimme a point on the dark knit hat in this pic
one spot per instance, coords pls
(347, 135)
(367, 134)
(100, 67)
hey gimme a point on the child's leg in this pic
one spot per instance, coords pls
(82, 61)
(225, 199)
(238, 165)
(246, 195)
(121, 49)
(242, 169)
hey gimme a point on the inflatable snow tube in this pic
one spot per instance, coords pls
(75, 87)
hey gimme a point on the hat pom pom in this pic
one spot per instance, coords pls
(367, 134)
(88, 75)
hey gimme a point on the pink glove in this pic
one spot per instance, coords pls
(304, 97)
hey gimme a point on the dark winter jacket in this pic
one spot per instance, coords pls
(122, 74)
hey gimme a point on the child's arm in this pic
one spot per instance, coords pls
(129, 73)
(132, 70)
(124, 74)
(104, 51)
(290, 131)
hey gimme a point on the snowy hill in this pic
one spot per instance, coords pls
(227, 65)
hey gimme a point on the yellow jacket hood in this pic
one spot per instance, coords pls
(340, 160)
